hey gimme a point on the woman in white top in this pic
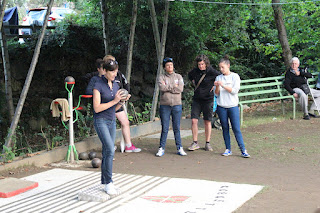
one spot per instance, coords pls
(227, 86)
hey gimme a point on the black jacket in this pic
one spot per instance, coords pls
(202, 93)
(292, 80)
(120, 79)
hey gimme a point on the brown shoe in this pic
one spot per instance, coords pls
(208, 147)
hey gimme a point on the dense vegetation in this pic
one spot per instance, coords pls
(247, 33)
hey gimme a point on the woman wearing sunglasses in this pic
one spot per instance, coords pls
(171, 86)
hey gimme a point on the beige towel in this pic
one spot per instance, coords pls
(65, 108)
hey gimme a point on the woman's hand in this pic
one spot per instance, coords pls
(218, 83)
(128, 97)
(118, 97)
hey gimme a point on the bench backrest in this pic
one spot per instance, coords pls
(267, 87)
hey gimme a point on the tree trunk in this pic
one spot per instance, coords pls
(154, 22)
(282, 33)
(161, 50)
(3, 7)
(131, 38)
(105, 30)
(27, 83)
(7, 74)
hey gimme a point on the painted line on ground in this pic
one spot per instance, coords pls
(58, 189)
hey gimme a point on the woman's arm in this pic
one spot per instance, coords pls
(178, 87)
(217, 90)
(163, 87)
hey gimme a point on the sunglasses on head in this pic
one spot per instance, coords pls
(167, 60)
(112, 62)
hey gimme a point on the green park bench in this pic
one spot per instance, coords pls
(267, 89)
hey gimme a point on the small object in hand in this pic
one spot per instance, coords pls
(124, 94)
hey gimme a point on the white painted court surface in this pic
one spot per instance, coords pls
(58, 190)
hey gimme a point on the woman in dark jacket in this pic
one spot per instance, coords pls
(202, 78)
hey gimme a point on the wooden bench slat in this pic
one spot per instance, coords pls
(243, 87)
(266, 99)
(259, 92)
(262, 79)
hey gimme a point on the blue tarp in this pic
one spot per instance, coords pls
(11, 18)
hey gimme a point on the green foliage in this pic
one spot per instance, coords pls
(53, 136)
(140, 117)
(84, 124)
(8, 154)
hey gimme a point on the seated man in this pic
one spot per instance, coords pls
(294, 79)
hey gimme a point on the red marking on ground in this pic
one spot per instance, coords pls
(13, 193)
(166, 199)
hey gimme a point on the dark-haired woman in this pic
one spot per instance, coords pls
(106, 100)
(202, 78)
(227, 86)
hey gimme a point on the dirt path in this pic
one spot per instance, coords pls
(285, 159)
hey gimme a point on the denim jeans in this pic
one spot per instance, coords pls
(234, 116)
(106, 130)
(175, 112)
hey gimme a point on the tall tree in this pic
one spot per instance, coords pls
(3, 7)
(6, 64)
(282, 33)
(28, 80)
(7, 74)
(131, 38)
(160, 46)
(105, 29)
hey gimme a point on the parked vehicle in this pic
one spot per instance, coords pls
(58, 13)
(35, 17)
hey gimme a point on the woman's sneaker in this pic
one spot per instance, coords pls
(112, 190)
(132, 148)
(181, 152)
(245, 154)
(208, 147)
(194, 146)
(160, 152)
(227, 153)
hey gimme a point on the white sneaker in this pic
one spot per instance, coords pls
(181, 152)
(227, 153)
(112, 190)
(160, 152)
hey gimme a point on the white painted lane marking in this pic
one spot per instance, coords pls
(58, 188)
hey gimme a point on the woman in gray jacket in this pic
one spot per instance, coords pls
(171, 86)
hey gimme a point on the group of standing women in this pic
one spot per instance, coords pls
(107, 99)
(207, 83)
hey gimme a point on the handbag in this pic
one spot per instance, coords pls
(305, 88)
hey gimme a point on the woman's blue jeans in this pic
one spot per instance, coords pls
(234, 116)
(106, 130)
(175, 112)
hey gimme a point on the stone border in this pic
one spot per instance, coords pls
(90, 143)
